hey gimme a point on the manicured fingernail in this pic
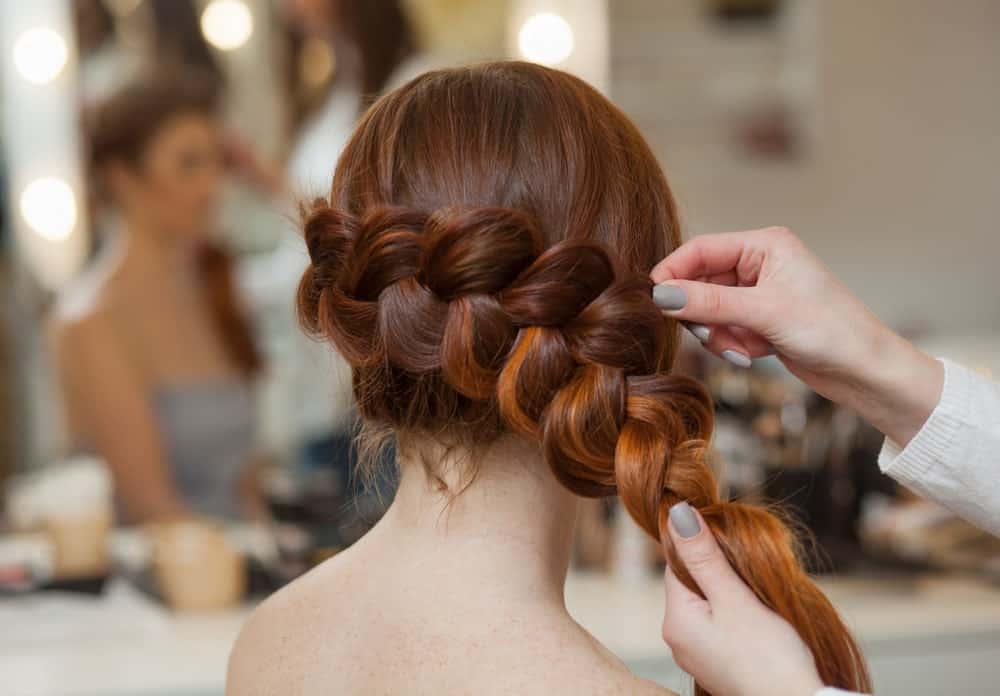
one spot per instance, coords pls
(736, 358)
(669, 297)
(684, 520)
(700, 331)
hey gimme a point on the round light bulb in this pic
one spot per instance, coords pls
(546, 38)
(40, 55)
(227, 24)
(48, 205)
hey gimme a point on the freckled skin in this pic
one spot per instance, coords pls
(346, 628)
(442, 596)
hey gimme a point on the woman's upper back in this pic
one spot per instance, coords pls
(355, 626)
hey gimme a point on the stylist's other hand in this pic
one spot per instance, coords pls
(730, 642)
(750, 294)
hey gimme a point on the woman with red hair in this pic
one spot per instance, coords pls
(482, 262)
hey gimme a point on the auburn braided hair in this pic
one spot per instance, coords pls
(483, 263)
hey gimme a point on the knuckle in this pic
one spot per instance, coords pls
(673, 632)
(783, 236)
(668, 631)
(699, 556)
(712, 300)
(763, 304)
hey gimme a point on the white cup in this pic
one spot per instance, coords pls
(75, 508)
(195, 567)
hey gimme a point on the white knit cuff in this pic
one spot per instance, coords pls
(911, 464)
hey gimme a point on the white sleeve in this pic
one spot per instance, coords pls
(955, 458)
(830, 691)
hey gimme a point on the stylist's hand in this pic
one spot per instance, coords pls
(730, 643)
(750, 294)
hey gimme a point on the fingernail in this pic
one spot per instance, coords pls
(684, 520)
(669, 297)
(736, 358)
(700, 331)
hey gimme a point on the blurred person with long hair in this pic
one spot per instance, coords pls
(369, 45)
(155, 357)
(482, 262)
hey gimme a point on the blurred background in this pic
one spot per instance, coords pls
(172, 449)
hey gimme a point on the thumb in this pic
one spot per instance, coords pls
(709, 303)
(697, 548)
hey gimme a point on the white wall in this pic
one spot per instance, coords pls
(900, 193)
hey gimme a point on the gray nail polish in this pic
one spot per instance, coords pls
(669, 297)
(684, 520)
(700, 331)
(736, 358)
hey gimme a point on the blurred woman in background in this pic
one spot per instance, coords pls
(343, 54)
(156, 360)
(367, 46)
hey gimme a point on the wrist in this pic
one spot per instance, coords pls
(898, 387)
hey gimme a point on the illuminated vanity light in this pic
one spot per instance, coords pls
(546, 38)
(40, 54)
(227, 24)
(48, 205)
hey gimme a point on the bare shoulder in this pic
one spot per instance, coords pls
(68, 330)
(271, 653)
(84, 342)
(89, 295)
(243, 674)
(338, 629)
(83, 314)
(617, 678)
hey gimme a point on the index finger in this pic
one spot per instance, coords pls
(705, 255)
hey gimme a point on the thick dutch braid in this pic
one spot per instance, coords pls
(459, 319)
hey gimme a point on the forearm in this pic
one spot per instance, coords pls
(145, 502)
(895, 387)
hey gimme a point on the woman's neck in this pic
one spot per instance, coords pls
(150, 253)
(511, 528)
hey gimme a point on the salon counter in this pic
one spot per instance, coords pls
(922, 636)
